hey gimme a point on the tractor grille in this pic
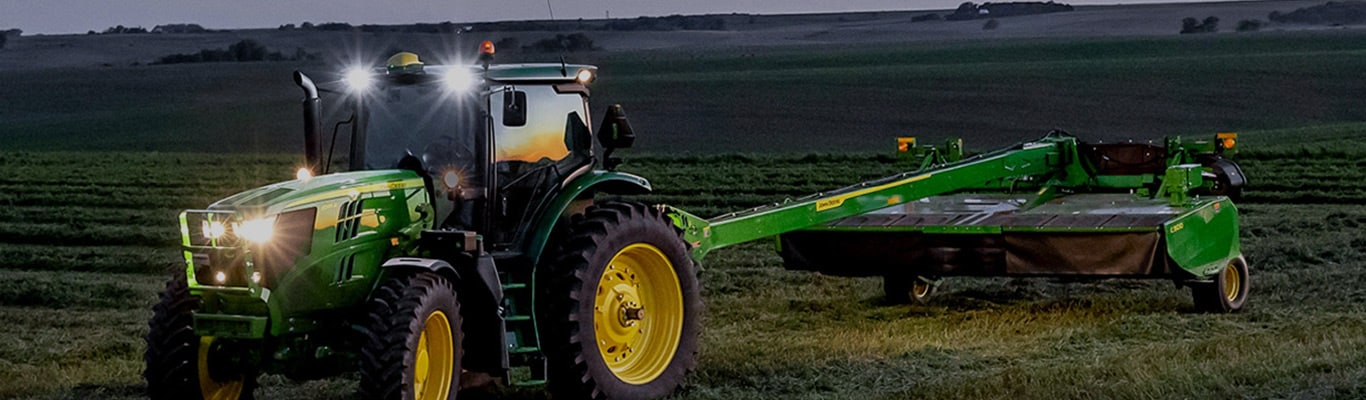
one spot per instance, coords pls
(293, 238)
(348, 220)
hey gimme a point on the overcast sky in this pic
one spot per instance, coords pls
(79, 16)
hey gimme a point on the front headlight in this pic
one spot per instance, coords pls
(257, 231)
(459, 79)
(213, 229)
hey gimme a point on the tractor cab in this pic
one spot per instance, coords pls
(491, 141)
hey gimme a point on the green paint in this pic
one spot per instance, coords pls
(534, 238)
(1047, 176)
(1204, 239)
(334, 274)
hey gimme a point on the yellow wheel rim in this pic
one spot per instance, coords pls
(209, 388)
(920, 289)
(434, 363)
(638, 314)
(1232, 282)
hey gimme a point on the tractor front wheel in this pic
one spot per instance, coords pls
(625, 306)
(412, 340)
(182, 365)
(1227, 293)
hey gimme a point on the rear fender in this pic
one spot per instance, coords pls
(582, 187)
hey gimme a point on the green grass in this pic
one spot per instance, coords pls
(74, 302)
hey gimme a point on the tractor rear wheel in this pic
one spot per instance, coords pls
(625, 306)
(1227, 293)
(182, 365)
(412, 346)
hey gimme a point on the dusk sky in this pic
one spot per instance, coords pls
(79, 16)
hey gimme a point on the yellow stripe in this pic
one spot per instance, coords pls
(834, 202)
(373, 187)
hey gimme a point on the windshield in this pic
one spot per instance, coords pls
(424, 120)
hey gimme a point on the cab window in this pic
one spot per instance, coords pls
(542, 134)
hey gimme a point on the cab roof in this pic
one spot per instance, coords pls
(536, 72)
(544, 72)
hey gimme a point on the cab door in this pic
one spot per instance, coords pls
(540, 137)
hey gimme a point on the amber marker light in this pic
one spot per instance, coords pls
(1228, 139)
(904, 144)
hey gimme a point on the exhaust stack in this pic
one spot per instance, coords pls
(312, 122)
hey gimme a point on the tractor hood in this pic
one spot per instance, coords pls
(299, 193)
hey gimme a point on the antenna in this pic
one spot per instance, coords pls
(552, 10)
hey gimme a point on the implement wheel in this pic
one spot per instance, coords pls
(412, 341)
(182, 365)
(1227, 293)
(625, 306)
(909, 290)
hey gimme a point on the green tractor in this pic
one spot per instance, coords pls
(463, 244)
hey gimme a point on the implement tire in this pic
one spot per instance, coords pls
(1227, 293)
(899, 289)
(177, 360)
(624, 306)
(413, 340)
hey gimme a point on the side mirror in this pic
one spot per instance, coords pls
(615, 132)
(514, 108)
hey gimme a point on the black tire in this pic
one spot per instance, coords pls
(1227, 293)
(398, 315)
(899, 289)
(578, 369)
(172, 356)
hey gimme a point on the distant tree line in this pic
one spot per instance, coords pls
(443, 27)
(168, 28)
(242, 51)
(179, 28)
(119, 30)
(4, 36)
(1330, 13)
(1192, 25)
(668, 23)
(970, 10)
(1211, 24)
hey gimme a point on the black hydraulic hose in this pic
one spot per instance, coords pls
(333, 146)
